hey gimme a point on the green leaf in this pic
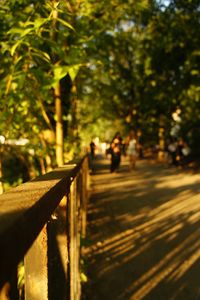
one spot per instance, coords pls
(5, 47)
(65, 23)
(26, 24)
(60, 72)
(14, 47)
(73, 71)
(43, 55)
(26, 32)
(20, 31)
(39, 22)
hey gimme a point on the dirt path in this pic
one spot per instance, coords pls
(144, 228)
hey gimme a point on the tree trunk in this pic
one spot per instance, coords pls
(48, 161)
(74, 112)
(57, 97)
(42, 165)
(161, 135)
(59, 127)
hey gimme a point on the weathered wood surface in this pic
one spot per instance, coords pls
(26, 209)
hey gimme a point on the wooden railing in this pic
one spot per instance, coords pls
(41, 223)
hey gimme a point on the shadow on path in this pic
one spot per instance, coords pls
(143, 228)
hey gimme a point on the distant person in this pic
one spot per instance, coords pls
(115, 149)
(172, 150)
(92, 149)
(182, 152)
(140, 150)
(132, 149)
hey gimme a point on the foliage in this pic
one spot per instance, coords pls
(149, 68)
(129, 63)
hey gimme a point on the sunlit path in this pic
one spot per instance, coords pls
(144, 233)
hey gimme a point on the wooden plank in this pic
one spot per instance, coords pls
(36, 269)
(46, 261)
(58, 256)
(74, 243)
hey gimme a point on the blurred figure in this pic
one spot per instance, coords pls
(115, 149)
(92, 149)
(172, 151)
(140, 150)
(139, 144)
(132, 149)
(179, 153)
(182, 152)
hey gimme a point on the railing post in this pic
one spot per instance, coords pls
(47, 260)
(58, 257)
(74, 243)
(36, 269)
(84, 196)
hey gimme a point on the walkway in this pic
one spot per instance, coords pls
(144, 233)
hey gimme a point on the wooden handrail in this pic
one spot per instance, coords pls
(26, 210)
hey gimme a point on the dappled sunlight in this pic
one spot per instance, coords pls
(175, 263)
(116, 183)
(176, 208)
(145, 236)
(178, 180)
(157, 219)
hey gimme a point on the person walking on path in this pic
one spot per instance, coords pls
(132, 149)
(92, 149)
(172, 150)
(116, 148)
